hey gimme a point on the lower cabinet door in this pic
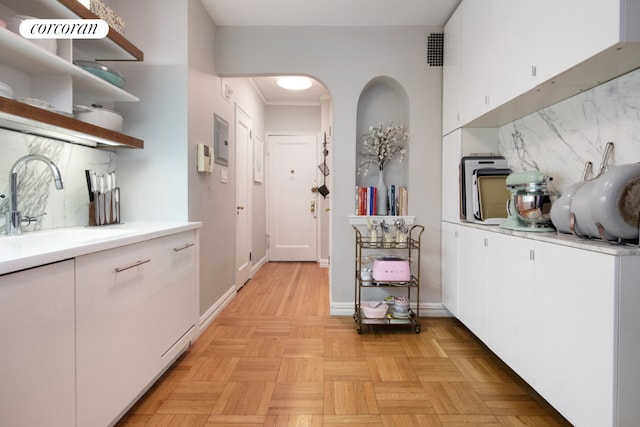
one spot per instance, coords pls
(174, 290)
(510, 301)
(574, 332)
(37, 359)
(115, 362)
(450, 267)
(472, 280)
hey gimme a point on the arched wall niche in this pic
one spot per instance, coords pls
(382, 100)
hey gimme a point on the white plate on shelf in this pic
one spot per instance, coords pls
(399, 315)
(43, 105)
(6, 91)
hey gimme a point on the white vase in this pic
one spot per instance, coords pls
(381, 195)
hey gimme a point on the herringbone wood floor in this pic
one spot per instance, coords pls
(274, 357)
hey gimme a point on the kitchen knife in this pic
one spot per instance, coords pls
(116, 204)
(87, 174)
(101, 200)
(108, 212)
(96, 196)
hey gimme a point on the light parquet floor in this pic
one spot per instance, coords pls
(274, 357)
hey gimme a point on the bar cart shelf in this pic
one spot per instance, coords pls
(410, 248)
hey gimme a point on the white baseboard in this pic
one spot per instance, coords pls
(324, 263)
(258, 265)
(214, 310)
(427, 309)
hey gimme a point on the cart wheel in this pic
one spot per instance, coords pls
(359, 329)
(417, 329)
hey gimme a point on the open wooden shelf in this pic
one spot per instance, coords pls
(25, 118)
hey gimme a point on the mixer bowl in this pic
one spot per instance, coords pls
(533, 209)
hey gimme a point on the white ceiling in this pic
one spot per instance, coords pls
(330, 12)
(323, 13)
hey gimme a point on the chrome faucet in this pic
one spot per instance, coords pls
(14, 218)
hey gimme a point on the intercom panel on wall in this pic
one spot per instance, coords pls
(205, 161)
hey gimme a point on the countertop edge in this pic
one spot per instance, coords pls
(139, 232)
(554, 237)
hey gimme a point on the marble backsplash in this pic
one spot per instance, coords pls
(559, 139)
(36, 192)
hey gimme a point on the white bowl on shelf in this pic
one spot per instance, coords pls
(374, 309)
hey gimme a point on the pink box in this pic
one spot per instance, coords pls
(385, 270)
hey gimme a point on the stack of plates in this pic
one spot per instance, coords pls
(43, 105)
(399, 315)
(6, 91)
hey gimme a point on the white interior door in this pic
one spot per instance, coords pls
(243, 199)
(293, 205)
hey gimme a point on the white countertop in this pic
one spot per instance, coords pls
(595, 245)
(31, 249)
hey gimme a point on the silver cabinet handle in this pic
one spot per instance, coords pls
(182, 248)
(135, 264)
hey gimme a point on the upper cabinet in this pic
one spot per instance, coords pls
(50, 76)
(517, 57)
(474, 62)
(451, 104)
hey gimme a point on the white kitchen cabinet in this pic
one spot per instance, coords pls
(525, 53)
(134, 303)
(510, 285)
(574, 344)
(472, 279)
(563, 318)
(517, 57)
(514, 36)
(451, 78)
(474, 47)
(449, 266)
(175, 296)
(37, 360)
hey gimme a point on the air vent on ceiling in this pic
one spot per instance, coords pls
(435, 49)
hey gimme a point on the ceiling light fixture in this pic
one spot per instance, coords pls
(294, 83)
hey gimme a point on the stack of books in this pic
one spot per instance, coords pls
(398, 199)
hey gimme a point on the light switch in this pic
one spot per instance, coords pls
(224, 175)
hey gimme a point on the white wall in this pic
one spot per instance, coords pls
(154, 179)
(345, 60)
(293, 118)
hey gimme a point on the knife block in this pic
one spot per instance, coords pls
(105, 208)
